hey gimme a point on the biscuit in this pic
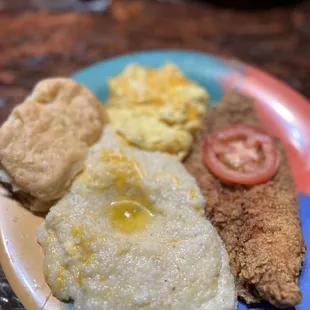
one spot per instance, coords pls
(65, 96)
(45, 141)
(39, 152)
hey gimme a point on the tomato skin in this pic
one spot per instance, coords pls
(229, 153)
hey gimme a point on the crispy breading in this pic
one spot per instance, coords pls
(259, 224)
(45, 141)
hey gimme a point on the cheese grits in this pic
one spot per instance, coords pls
(130, 235)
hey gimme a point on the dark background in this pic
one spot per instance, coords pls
(36, 44)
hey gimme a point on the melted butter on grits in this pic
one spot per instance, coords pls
(128, 236)
(128, 216)
(130, 212)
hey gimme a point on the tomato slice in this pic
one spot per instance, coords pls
(241, 154)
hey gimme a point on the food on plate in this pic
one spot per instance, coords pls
(156, 109)
(44, 143)
(259, 224)
(241, 154)
(130, 234)
(72, 102)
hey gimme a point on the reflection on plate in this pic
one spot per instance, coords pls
(282, 110)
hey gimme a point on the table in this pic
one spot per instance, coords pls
(36, 44)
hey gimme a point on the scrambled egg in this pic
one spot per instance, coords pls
(156, 109)
(130, 235)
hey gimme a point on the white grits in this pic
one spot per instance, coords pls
(130, 235)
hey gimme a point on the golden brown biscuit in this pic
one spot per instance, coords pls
(65, 96)
(40, 152)
(45, 141)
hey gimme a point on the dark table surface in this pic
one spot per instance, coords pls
(36, 44)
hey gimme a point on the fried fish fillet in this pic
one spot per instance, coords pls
(259, 224)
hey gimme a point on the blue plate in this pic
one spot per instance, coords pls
(213, 74)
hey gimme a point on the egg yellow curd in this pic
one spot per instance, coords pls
(131, 234)
(156, 109)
